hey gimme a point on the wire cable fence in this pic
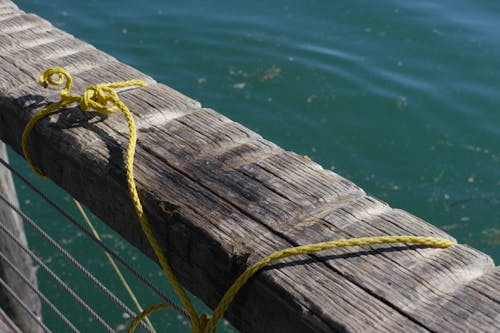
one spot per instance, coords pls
(25, 306)
(97, 242)
(42, 296)
(79, 299)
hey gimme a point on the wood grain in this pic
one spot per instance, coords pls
(220, 197)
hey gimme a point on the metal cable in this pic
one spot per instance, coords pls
(71, 259)
(40, 294)
(101, 245)
(58, 281)
(23, 305)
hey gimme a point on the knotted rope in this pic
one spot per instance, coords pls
(105, 100)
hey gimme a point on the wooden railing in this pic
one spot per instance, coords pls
(220, 197)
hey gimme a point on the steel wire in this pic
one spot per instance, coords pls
(40, 294)
(71, 259)
(23, 305)
(104, 247)
(58, 280)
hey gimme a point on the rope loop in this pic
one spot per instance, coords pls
(100, 97)
(55, 77)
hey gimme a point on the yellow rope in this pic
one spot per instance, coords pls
(308, 249)
(115, 267)
(146, 313)
(104, 99)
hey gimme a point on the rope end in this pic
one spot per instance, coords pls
(55, 76)
(449, 243)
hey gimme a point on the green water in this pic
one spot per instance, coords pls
(401, 97)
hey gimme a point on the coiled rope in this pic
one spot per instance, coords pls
(103, 99)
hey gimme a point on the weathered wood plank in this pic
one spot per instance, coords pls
(226, 231)
(22, 21)
(7, 12)
(8, 8)
(221, 197)
(7, 3)
(229, 231)
(473, 308)
(23, 39)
